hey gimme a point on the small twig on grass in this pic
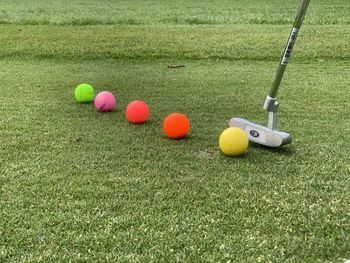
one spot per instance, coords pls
(175, 66)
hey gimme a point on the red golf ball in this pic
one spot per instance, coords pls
(137, 112)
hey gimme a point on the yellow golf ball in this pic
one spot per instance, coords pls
(233, 141)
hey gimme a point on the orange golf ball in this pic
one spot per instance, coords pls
(176, 126)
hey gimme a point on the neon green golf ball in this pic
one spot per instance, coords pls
(233, 141)
(84, 93)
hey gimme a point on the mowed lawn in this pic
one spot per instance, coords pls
(80, 186)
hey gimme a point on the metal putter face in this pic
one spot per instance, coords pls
(261, 134)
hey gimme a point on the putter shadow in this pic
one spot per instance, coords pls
(284, 150)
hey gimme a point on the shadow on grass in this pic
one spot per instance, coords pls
(284, 150)
(148, 123)
(185, 139)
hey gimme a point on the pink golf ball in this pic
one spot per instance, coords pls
(137, 111)
(104, 101)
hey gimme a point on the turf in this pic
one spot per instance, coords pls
(80, 186)
(134, 12)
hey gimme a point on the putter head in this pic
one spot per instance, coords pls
(261, 134)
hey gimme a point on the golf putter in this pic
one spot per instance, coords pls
(269, 136)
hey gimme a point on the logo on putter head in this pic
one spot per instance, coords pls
(254, 133)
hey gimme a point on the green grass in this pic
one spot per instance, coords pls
(235, 42)
(131, 12)
(80, 186)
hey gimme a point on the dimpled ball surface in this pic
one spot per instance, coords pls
(233, 141)
(137, 112)
(84, 93)
(176, 126)
(104, 101)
